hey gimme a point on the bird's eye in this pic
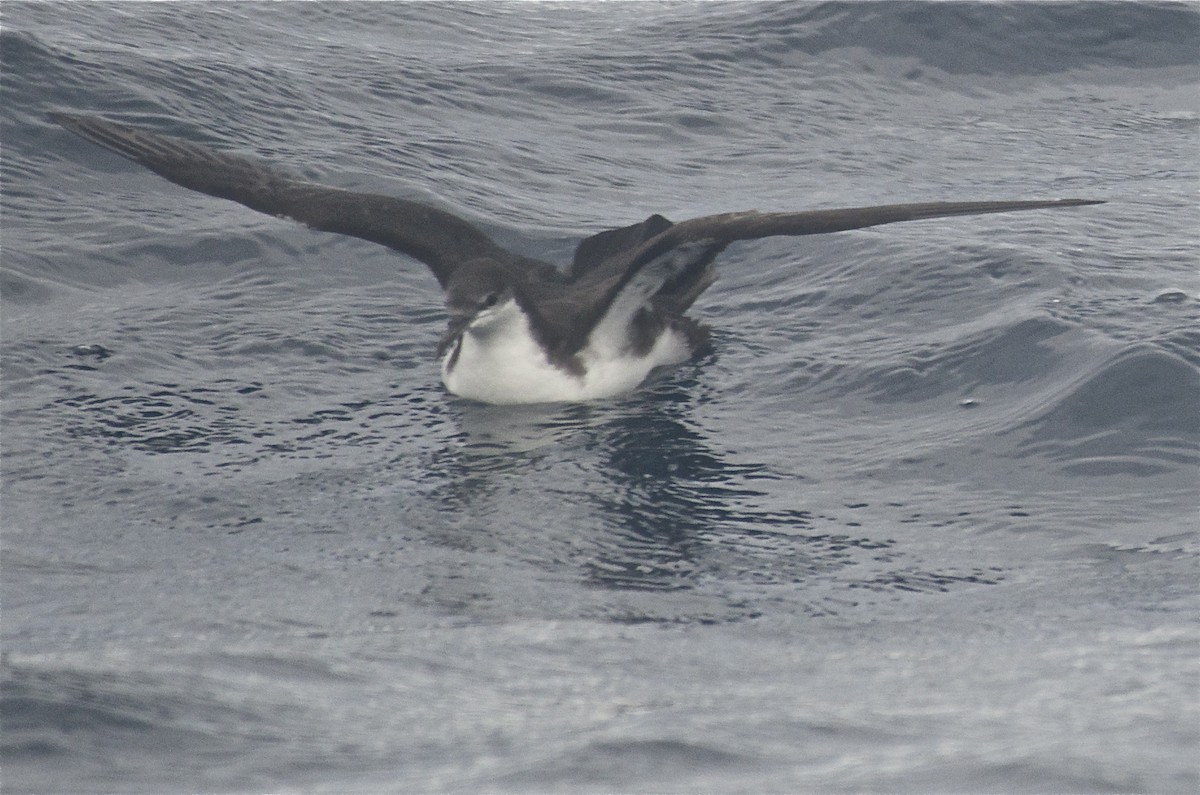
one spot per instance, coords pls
(489, 301)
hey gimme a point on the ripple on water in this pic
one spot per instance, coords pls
(1138, 415)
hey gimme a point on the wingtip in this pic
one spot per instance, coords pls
(70, 121)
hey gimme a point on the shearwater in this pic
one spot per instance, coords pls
(521, 330)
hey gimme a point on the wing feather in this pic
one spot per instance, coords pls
(721, 230)
(610, 280)
(435, 237)
(729, 227)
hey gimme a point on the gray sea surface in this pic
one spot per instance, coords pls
(924, 520)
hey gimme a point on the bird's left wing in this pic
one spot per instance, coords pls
(729, 227)
(675, 264)
(718, 231)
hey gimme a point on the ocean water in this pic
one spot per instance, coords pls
(925, 520)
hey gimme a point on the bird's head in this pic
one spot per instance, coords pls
(479, 296)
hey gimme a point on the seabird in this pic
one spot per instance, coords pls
(521, 330)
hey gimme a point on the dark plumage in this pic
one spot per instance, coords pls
(647, 273)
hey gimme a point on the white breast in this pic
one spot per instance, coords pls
(499, 361)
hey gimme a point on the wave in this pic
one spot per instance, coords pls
(1139, 414)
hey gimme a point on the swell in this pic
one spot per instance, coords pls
(1138, 413)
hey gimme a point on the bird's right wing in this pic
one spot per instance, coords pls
(435, 237)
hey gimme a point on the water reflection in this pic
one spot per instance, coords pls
(638, 492)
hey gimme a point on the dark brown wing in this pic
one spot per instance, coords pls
(721, 230)
(682, 254)
(437, 238)
(602, 247)
(729, 227)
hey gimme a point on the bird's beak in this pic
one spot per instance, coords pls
(458, 324)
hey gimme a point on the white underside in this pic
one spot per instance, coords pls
(502, 363)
